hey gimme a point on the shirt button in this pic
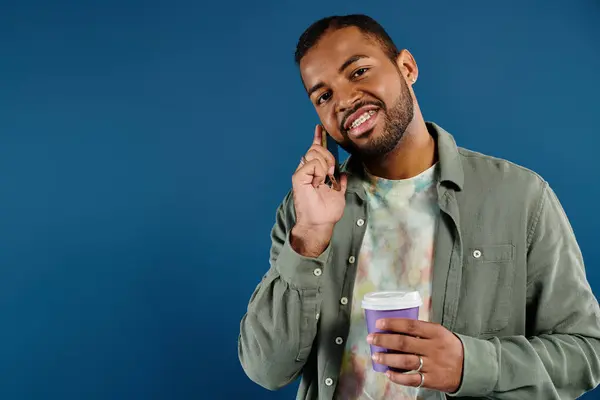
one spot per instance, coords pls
(344, 300)
(339, 340)
(329, 381)
(360, 222)
(317, 272)
(351, 259)
(477, 253)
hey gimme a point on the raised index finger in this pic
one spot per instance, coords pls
(411, 327)
(318, 139)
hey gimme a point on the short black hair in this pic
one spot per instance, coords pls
(364, 23)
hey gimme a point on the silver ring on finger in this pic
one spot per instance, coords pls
(418, 370)
(303, 160)
(420, 364)
(422, 380)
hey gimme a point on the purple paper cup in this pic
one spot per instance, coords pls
(392, 304)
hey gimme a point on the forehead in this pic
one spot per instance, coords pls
(333, 49)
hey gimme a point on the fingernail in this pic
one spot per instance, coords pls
(379, 324)
(375, 357)
(370, 339)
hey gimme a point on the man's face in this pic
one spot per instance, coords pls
(360, 95)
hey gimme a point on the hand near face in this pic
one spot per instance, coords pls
(318, 206)
(440, 349)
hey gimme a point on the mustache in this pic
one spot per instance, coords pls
(357, 106)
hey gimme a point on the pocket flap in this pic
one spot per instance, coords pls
(494, 253)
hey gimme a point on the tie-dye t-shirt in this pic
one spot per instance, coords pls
(396, 254)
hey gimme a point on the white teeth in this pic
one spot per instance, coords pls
(358, 121)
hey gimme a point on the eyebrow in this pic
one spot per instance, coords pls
(350, 61)
(345, 65)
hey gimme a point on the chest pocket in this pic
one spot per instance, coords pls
(488, 278)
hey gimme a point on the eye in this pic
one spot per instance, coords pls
(324, 97)
(359, 72)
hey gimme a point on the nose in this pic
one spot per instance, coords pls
(347, 97)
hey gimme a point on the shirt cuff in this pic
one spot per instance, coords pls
(300, 271)
(480, 368)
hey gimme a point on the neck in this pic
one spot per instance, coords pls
(415, 153)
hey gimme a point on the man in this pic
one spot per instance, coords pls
(508, 312)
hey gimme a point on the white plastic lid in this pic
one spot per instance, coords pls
(391, 300)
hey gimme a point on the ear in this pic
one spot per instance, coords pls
(408, 67)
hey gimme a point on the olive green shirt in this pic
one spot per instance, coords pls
(508, 280)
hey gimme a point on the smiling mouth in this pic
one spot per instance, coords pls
(362, 119)
(363, 124)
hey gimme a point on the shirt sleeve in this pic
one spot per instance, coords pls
(279, 327)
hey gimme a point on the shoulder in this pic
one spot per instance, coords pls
(490, 171)
(501, 183)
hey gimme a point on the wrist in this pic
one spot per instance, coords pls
(324, 230)
(481, 368)
(310, 241)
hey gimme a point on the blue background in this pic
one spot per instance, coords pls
(144, 147)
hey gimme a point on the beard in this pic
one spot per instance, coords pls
(395, 122)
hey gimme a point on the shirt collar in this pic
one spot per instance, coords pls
(451, 170)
